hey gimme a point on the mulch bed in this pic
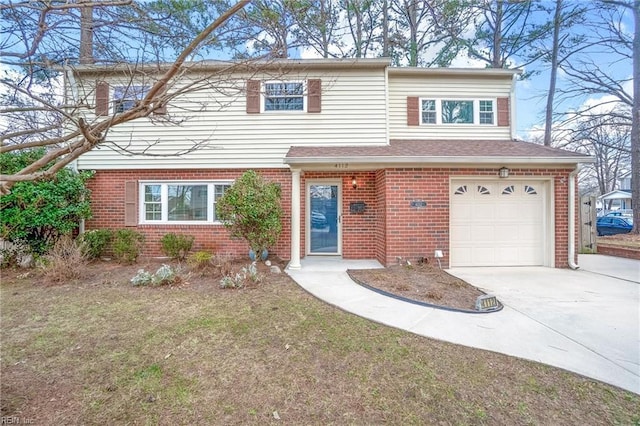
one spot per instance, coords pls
(423, 283)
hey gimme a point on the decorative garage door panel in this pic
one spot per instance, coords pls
(497, 223)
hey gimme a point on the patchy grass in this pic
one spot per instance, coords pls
(99, 351)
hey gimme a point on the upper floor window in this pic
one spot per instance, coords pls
(126, 97)
(486, 112)
(457, 111)
(429, 111)
(163, 202)
(284, 96)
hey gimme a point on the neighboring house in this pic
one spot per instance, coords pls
(625, 182)
(374, 162)
(619, 199)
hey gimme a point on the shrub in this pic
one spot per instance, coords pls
(250, 209)
(65, 260)
(228, 281)
(176, 246)
(142, 277)
(38, 213)
(238, 280)
(127, 245)
(163, 276)
(96, 241)
(200, 260)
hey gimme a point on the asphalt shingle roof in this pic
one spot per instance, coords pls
(436, 148)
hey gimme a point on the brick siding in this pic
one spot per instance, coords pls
(388, 228)
(108, 202)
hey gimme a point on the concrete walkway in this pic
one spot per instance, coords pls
(583, 321)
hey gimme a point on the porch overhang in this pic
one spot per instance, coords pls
(431, 153)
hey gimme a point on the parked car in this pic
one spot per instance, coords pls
(611, 225)
(626, 213)
(318, 220)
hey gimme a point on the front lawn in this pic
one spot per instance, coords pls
(100, 351)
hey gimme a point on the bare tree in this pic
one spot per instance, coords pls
(608, 140)
(593, 78)
(318, 27)
(505, 31)
(63, 133)
(563, 45)
(363, 19)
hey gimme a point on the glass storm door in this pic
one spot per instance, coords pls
(324, 219)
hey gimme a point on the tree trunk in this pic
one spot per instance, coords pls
(385, 29)
(635, 123)
(86, 34)
(554, 72)
(497, 36)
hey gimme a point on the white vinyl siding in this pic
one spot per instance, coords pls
(214, 119)
(454, 88)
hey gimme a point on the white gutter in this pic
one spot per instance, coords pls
(386, 159)
(572, 218)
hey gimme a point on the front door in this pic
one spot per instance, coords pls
(323, 218)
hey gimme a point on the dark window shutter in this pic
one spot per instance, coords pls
(130, 203)
(314, 98)
(503, 112)
(413, 111)
(253, 96)
(102, 98)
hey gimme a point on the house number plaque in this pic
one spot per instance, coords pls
(418, 204)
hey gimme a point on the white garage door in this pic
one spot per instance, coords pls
(497, 223)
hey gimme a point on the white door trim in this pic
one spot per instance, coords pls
(307, 214)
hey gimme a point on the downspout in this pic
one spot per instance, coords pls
(572, 218)
(512, 107)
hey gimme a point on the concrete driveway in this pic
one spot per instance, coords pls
(597, 308)
(585, 321)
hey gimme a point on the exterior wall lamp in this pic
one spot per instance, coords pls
(354, 182)
(503, 172)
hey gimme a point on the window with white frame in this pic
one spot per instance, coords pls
(166, 202)
(284, 96)
(429, 113)
(486, 112)
(458, 111)
(126, 97)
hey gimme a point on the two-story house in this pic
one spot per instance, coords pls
(619, 199)
(374, 162)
